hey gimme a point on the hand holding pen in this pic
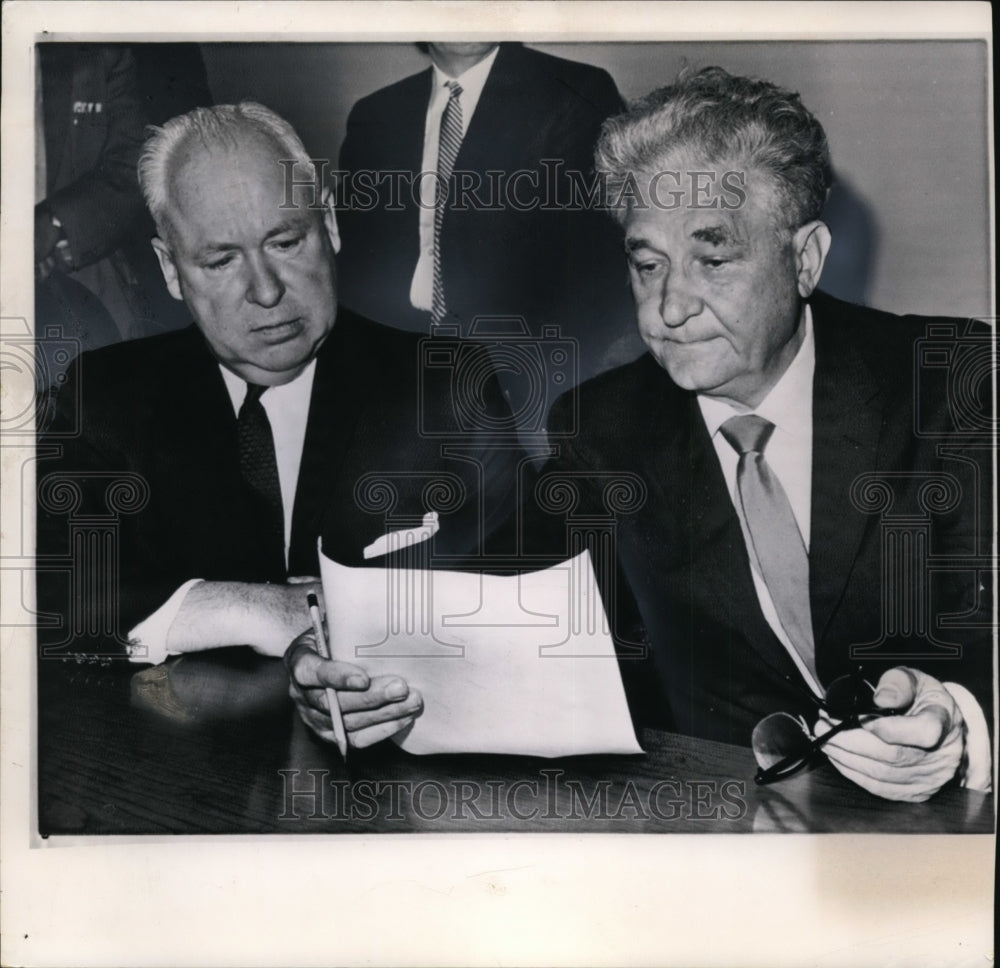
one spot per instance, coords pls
(370, 709)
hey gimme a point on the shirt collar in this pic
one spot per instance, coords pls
(295, 390)
(473, 80)
(788, 405)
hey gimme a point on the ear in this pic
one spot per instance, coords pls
(811, 242)
(167, 267)
(330, 219)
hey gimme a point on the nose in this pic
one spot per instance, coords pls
(264, 285)
(678, 299)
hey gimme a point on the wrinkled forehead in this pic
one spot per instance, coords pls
(714, 202)
(690, 180)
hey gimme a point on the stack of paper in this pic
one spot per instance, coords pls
(506, 664)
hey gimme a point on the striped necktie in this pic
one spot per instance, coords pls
(448, 144)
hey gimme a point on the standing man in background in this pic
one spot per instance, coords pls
(96, 278)
(89, 126)
(509, 133)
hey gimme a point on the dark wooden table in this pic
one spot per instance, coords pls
(212, 744)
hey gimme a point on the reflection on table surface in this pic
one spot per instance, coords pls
(212, 743)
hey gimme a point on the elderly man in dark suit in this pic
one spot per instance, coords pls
(223, 451)
(468, 191)
(807, 495)
(799, 475)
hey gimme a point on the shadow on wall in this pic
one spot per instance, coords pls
(848, 271)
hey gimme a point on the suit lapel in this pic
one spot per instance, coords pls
(204, 411)
(496, 137)
(408, 120)
(338, 400)
(196, 427)
(847, 420)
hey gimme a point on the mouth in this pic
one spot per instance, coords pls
(279, 332)
(695, 341)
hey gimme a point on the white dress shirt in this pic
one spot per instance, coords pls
(472, 81)
(287, 408)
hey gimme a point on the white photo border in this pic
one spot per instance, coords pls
(454, 899)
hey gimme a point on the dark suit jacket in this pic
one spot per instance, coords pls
(884, 424)
(558, 265)
(93, 132)
(93, 126)
(97, 100)
(143, 490)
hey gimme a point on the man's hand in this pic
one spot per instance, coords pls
(905, 757)
(373, 709)
(46, 237)
(51, 248)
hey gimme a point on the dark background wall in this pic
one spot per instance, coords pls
(907, 124)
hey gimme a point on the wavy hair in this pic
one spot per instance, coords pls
(717, 118)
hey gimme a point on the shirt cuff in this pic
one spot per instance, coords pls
(976, 771)
(147, 642)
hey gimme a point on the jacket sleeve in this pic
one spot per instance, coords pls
(98, 574)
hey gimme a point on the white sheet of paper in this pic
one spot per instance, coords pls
(506, 664)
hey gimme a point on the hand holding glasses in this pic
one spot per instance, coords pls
(783, 744)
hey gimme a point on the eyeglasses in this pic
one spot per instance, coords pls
(783, 743)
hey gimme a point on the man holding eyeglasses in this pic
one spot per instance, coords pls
(802, 472)
(814, 501)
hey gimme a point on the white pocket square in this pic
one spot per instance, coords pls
(395, 540)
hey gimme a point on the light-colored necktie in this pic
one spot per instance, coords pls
(449, 142)
(772, 534)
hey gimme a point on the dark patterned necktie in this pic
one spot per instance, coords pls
(449, 142)
(259, 468)
(771, 532)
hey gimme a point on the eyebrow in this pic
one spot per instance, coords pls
(716, 235)
(289, 225)
(632, 243)
(211, 248)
